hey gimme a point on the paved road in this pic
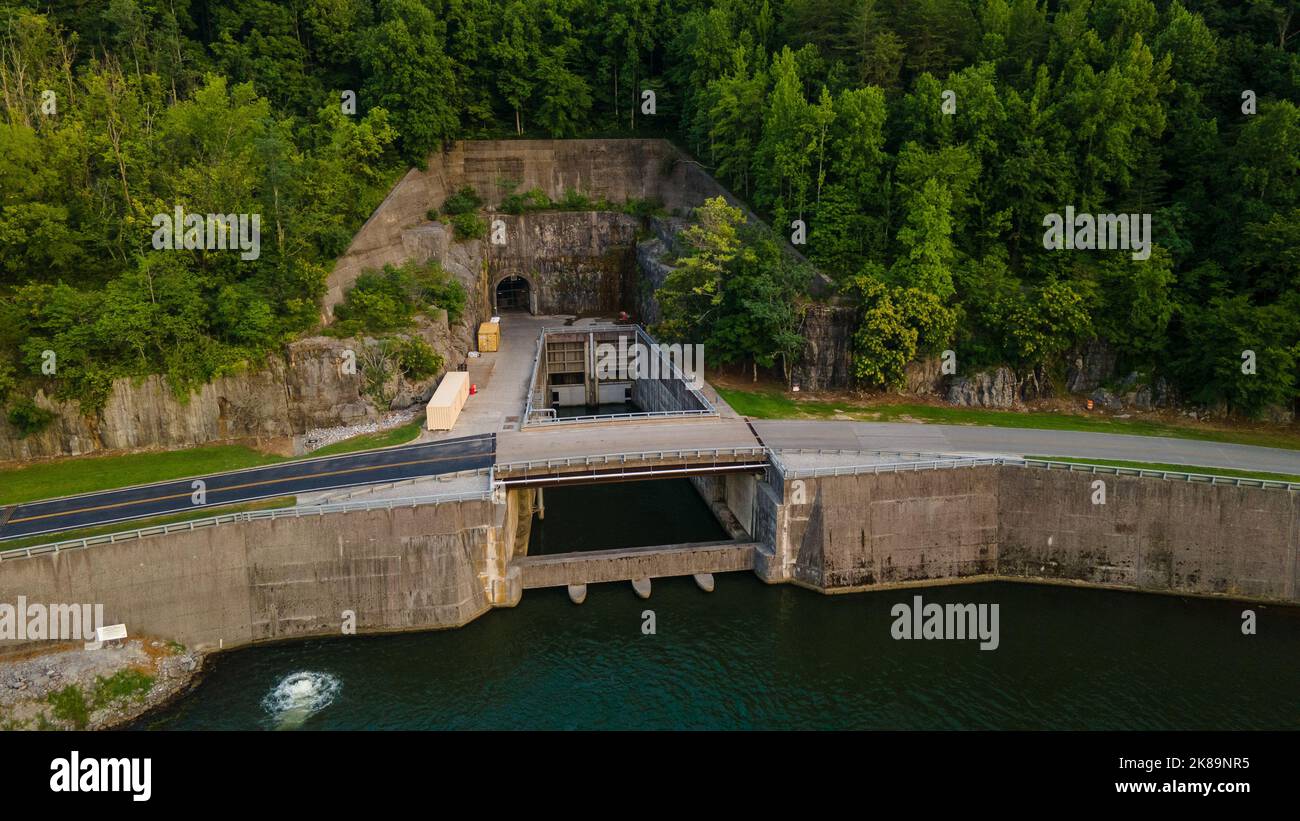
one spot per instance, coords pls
(1022, 442)
(635, 437)
(445, 456)
(451, 455)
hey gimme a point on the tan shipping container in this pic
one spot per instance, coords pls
(445, 404)
(489, 337)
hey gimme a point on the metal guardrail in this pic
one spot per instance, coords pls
(890, 467)
(554, 420)
(921, 454)
(244, 516)
(599, 460)
(1143, 473)
(1047, 464)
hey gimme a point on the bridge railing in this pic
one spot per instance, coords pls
(559, 421)
(605, 459)
(244, 516)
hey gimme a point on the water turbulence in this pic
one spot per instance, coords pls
(298, 697)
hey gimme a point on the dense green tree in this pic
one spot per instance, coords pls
(409, 73)
(692, 291)
(826, 111)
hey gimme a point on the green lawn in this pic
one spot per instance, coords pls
(1235, 474)
(85, 474)
(768, 404)
(120, 527)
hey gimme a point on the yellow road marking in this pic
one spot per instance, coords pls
(240, 487)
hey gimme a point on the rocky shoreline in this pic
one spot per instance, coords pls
(67, 687)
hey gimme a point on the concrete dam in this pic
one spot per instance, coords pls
(883, 522)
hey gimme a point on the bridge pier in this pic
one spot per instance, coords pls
(704, 581)
(577, 593)
(642, 587)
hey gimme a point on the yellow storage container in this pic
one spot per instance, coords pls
(445, 404)
(489, 337)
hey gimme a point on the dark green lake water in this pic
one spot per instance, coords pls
(751, 655)
(622, 514)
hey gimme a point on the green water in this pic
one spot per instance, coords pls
(751, 655)
(756, 656)
(622, 514)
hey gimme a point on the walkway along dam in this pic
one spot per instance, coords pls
(848, 522)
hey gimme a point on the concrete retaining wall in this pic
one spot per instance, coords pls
(1150, 534)
(579, 262)
(409, 568)
(617, 170)
(876, 530)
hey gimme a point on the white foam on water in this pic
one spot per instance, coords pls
(299, 696)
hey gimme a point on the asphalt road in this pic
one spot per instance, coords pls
(443, 456)
(1024, 442)
(953, 439)
(451, 455)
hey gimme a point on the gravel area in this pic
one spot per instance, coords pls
(320, 437)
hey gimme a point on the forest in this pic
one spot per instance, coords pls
(920, 142)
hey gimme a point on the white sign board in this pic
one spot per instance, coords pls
(111, 632)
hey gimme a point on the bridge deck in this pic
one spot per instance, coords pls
(631, 466)
(658, 561)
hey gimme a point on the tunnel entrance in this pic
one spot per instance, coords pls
(578, 518)
(513, 294)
